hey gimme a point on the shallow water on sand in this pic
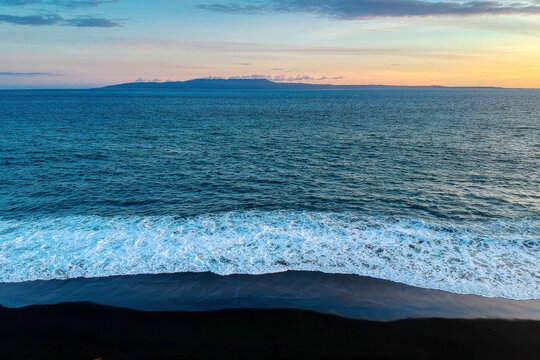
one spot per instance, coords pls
(344, 295)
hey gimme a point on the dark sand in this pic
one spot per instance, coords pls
(171, 316)
(88, 331)
(349, 296)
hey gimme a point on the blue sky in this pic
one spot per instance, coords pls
(85, 43)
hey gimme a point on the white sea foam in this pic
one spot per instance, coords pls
(490, 259)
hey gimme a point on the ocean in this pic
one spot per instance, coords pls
(437, 189)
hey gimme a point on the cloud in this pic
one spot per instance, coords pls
(284, 77)
(234, 8)
(360, 9)
(19, 2)
(142, 80)
(81, 3)
(54, 19)
(57, 3)
(282, 69)
(34, 20)
(89, 21)
(9, 73)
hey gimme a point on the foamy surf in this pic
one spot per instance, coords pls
(497, 259)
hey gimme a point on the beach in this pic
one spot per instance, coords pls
(344, 295)
(87, 331)
(286, 315)
(269, 223)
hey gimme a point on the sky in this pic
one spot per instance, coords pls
(89, 43)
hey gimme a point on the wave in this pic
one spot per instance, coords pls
(496, 259)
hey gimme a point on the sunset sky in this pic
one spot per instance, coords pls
(86, 43)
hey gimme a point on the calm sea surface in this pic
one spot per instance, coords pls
(438, 189)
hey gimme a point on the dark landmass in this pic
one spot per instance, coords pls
(262, 84)
(88, 331)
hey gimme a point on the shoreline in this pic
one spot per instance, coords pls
(349, 296)
(89, 331)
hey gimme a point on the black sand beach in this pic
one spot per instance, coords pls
(284, 315)
(349, 296)
(88, 331)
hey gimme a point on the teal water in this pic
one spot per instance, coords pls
(433, 188)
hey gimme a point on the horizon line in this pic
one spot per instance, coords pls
(82, 87)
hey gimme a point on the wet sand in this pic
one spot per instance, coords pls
(207, 316)
(349, 296)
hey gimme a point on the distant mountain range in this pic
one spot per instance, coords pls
(258, 84)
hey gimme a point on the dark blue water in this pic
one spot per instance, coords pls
(438, 189)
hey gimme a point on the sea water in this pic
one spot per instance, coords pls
(433, 188)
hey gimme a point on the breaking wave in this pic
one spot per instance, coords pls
(496, 259)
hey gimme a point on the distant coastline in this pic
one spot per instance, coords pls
(264, 84)
(253, 84)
